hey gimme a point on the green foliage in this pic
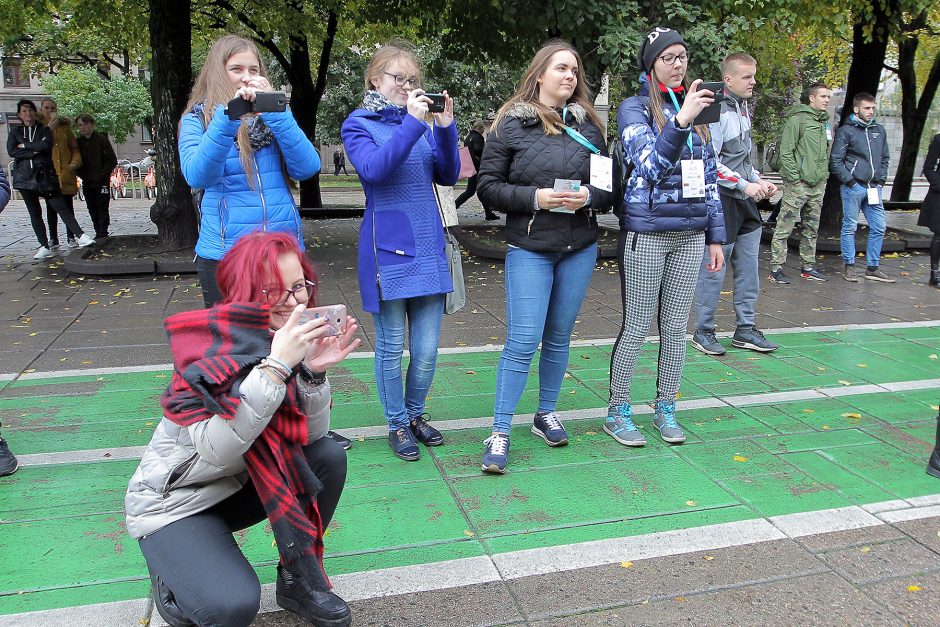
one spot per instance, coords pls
(117, 104)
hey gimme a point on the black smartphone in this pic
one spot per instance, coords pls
(437, 102)
(265, 101)
(711, 113)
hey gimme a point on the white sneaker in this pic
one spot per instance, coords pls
(71, 242)
(84, 240)
(43, 253)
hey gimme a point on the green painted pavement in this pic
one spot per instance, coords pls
(63, 542)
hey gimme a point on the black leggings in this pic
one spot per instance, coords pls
(199, 561)
(935, 252)
(57, 204)
(205, 270)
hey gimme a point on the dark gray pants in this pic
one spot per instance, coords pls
(199, 560)
(205, 270)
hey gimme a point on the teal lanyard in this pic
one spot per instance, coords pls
(676, 105)
(578, 137)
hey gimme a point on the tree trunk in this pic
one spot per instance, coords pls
(868, 57)
(913, 113)
(170, 83)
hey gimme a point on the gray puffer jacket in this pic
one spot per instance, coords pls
(187, 470)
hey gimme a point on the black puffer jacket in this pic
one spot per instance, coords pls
(520, 158)
(34, 156)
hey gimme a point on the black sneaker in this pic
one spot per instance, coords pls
(777, 276)
(320, 607)
(342, 441)
(425, 433)
(166, 605)
(8, 463)
(402, 441)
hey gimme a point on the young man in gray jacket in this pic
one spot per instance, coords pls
(860, 161)
(740, 185)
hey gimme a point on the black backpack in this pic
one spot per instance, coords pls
(623, 167)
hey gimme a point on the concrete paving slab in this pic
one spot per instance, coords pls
(926, 531)
(896, 558)
(821, 599)
(851, 538)
(915, 599)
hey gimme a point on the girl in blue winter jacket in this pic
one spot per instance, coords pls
(671, 211)
(403, 272)
(243, 165)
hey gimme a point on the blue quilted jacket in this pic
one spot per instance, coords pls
(230, 206)
(653, 196)
(398, 157)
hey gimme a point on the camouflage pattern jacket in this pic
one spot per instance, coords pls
(653, 195)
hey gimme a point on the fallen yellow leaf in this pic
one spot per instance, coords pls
(470, 372)
(865, 549)
(862, 365)
(626, 564)
(825, 427)
(844, 382)
(739, 458)
(468, 533)
(852, 415)
(708, 558)
(809, 411)
(914, 588)
(691, 503)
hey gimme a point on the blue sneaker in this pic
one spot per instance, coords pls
(402, 441)
(665, 421)
(547, 425)
(496, 453)
(620, 426)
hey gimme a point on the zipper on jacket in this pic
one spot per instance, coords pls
(871, 158)
(264, 206)
(179, 472)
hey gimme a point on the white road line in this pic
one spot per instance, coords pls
(574, 415)
(488, 348)
(526, 563)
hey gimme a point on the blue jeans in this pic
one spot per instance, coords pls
(423, 314)
(853, 199)
(544, 292)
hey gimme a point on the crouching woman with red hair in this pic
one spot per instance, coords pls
(242, 441)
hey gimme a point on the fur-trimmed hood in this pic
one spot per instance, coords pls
(527, 111)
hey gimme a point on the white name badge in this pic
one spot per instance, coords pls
(828, 133)
(693, 178)
(873, 197)
(602, 172)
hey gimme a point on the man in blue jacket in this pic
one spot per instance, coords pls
(860, 161)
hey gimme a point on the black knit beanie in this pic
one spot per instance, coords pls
(653, 45)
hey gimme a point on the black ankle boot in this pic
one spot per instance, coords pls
(323, 609)
(933, 466)
(166, 606)
(934, 278)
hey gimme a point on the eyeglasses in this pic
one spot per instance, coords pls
(401, 80)
(301, 293)
(669, 59)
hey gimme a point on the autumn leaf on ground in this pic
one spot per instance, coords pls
(914, 588)
(708, 558)
(470, 372)
(865, 549)
(852, 415)
(626, 564)
(740, 458)
(844, 382)
(691, 503)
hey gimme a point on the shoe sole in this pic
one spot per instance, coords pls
(407, 458)
(933, 472)
(850, 280)
(634, 443)
(547, 441)
(753, 347)
(432, 442)
(778, 281)
(701, 348)
(813, 278)
(7, 474)
(880, 280)
(293, 606)
(493, 469)
(672, 440)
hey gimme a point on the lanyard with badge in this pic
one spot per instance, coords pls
(693, 170)
(602, 168)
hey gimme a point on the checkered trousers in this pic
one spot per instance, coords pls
(655, 269)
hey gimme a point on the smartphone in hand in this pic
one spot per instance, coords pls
(265, 101)
(437, 102)
(335, 318)
(711, 113)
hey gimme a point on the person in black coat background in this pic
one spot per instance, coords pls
(474, 142)
(930, 208)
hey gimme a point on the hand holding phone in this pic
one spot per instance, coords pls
(711, 113)
(264, 101)
(438, 102)
(335, 316)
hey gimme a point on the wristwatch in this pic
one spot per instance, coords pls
(308, 375)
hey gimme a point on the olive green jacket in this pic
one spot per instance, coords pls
(804, 146)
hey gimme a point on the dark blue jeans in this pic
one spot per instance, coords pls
(422, 315)
(544, 292)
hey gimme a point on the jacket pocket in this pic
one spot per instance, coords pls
(395, 239)
(179, 472)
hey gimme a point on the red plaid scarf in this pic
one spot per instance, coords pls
(214, 348)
